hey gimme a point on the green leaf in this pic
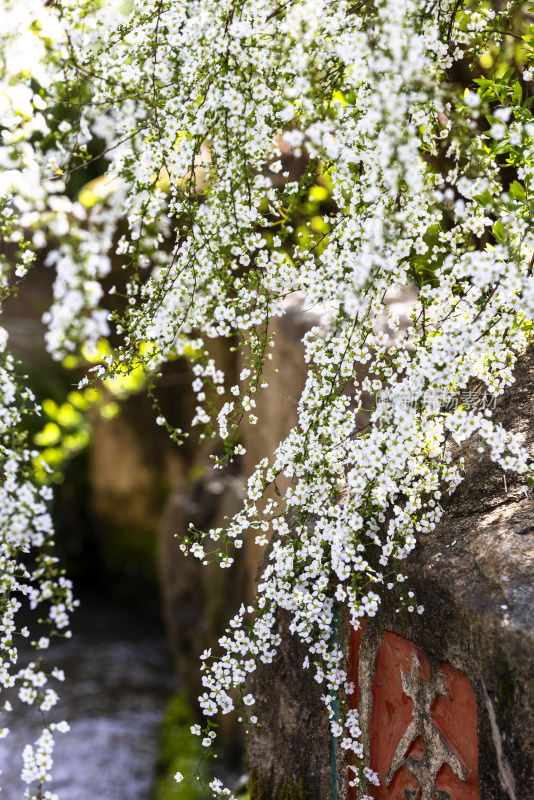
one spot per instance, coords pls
(484, 199)
(499, 232)
(50, 435)
(500, 147)
(50, 408)
(517, 191)
(517, 93)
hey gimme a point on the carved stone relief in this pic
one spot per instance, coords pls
(421, 719)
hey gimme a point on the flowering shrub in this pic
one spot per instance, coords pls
(414, 116)
(26, 528)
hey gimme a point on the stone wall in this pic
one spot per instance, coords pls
(446, 699)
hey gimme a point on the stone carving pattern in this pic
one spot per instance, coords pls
(425, 762)
(422, 721)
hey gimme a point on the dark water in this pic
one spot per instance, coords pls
(118, 679)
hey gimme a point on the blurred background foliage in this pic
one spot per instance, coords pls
(67, 428)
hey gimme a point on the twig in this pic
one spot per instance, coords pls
(453, 17)
(275, 13)
(99, 156)
(509, 33)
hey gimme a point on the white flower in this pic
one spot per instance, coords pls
(498, 131)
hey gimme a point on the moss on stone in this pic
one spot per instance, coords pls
(263, 788)
(179, 751)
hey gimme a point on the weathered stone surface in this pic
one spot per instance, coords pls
(471, 652)
(198, 601)
(289, 755)
(475, 577)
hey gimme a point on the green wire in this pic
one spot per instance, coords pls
(334, 639)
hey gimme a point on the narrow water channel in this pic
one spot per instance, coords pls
(119, 677)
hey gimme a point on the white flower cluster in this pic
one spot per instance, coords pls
(29, 575)
(217, 121)
(38, 759)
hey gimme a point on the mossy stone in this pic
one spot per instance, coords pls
(262, 788)
(179, 751)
